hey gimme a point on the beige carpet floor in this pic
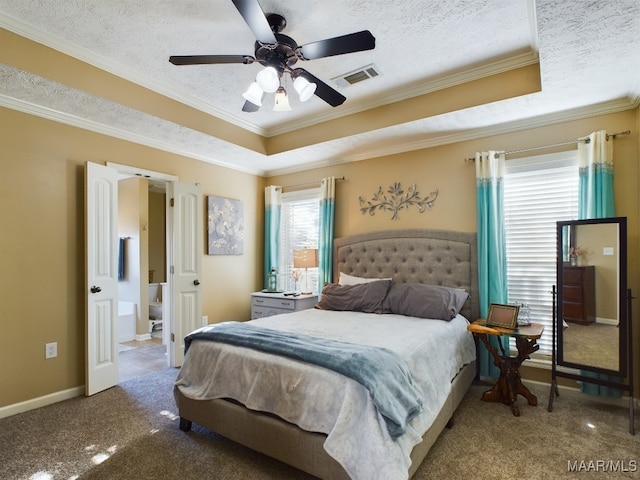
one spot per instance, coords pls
(131, 432)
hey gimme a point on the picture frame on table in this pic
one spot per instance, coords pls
(505, 316)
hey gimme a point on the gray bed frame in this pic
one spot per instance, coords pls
(437, 257)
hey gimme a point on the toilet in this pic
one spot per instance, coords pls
(156, 291)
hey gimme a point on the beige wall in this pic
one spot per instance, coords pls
(593, 238)
(157, 236)
(444, 168)
(132, 215)
(42, 289)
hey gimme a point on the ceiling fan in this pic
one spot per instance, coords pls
(279, 54)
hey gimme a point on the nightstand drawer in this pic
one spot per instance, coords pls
(266, 302)
(260, 312)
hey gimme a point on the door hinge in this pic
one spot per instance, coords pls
(173, 337)
(172, 270)
(172, 202)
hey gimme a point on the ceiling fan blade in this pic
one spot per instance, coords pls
(210, 59)
(323, 91)
(250, 107)
(256, 19)
(353, 42)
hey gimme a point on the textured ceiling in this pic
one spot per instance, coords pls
(589, 54)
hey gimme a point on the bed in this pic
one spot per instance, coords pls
(265, 423)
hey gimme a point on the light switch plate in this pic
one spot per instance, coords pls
(51, 350)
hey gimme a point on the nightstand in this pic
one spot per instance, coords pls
(265, 304)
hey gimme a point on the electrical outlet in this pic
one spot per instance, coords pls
(51, 350)
(205, 320)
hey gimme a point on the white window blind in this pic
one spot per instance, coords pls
(299, 225)
(538, 192)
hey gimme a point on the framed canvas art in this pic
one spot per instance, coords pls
(225, 226)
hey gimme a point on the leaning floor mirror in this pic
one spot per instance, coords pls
(592, 315)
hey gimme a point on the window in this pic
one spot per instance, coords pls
(538, 192)
(299, 223)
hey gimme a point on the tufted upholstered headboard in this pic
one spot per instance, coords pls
(436, 257)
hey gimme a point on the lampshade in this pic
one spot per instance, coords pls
(268, 79)
(305, 258)
(282, 101)
(254, 94)
(304, 88)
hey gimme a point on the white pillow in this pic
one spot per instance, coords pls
(345, 279)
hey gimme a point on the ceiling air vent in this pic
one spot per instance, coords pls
(363, 73)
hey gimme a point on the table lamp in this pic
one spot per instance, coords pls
(305, 258)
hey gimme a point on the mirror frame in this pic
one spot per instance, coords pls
(571, 225)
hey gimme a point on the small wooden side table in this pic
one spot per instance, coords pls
(509, 385)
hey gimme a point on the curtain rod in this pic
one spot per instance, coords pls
(586, 140)
(308, 184)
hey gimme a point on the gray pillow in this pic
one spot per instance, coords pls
(363, 297)
(345, 279)
(424, 301)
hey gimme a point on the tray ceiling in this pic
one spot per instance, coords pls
(588, 55)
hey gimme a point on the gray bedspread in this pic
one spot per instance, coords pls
(383, 372)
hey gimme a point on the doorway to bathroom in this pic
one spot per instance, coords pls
(117, 252)
(143, 318)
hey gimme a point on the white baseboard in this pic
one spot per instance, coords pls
(34, 403)
(607, 321)
(143, 337)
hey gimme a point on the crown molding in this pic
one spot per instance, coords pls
(474, 134)
(511, 127)
(505, 128)
(60, 44)
(115, 132)
(634, 95)
(394, 149)
(423, 88)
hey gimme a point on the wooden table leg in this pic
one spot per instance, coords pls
(525, 348)
(509, 385)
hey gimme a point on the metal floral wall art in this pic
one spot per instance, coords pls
(396, 199)
(225, 226)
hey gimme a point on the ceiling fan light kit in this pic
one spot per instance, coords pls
(268, 79)
(254, 94)
(304, 88)
(281, 103)
(278, 53)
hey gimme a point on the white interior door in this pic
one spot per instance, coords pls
(101, 212)
(186, 250)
